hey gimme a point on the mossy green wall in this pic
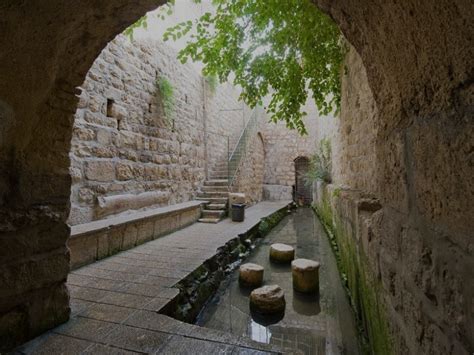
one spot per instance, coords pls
(365, 291)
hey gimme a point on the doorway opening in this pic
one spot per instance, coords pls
(303, 189)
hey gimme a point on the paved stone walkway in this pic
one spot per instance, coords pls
(115, 301)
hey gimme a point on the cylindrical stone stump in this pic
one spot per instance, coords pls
(282, 253)
(305, 275)
(267, 300)
(250, 275)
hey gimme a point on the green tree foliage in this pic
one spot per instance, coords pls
(141, 23)
(320, 163)
(284, 49)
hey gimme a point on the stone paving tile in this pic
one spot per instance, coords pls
(107, 312)
(95, 282)
(86, 329)
(246, 351)
(169, 293)
(137, 339)
(126, 300)
(183, 345)
(142, 289)
(50, 343)
(114, 301)
(78, 306)
(123, 259)
(156, 304)
(109, 297)
(155, 321)
(99, 349)
(86, 294)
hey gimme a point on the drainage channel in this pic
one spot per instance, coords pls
(321, 324)
(198, 288)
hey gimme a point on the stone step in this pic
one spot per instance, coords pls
(215, 188)
(222, 194)
(216, 206)
(216, 182)
(222, 175)
(209, 220)
(219, 177)
(219, 171)
(221, 166)
(213, 214)
(213, 199)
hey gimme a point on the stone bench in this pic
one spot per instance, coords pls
(98, 239)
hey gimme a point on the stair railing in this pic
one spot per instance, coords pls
(241, 147)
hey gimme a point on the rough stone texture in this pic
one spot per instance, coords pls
(305, 275)
(405, 138)
(250, 275)
(277, 192)
(282, 253)
(117, 301)
(418, 57)
(284, 146)
(268, 299)
(99, 239)
(127, 147)
(354, 134)
(250, 175)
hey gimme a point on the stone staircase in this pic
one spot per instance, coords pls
(216, 191)
(216, 188)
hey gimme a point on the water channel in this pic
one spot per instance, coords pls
(321, 324)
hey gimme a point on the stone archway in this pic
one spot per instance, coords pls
(42, 61)
(418, 57)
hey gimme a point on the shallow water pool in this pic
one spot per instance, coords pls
(320, 324)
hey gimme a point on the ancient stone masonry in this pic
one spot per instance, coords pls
(126, 154)
(416, 219)
(404, 244)
(250, 175)
(283, 146)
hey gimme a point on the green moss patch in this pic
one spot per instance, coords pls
(364, 291)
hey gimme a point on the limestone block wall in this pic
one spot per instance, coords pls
(124, 145)
(251, 173)
(404, 243)
(354, 137)
(283, 146)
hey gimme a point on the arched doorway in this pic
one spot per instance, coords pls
(38, 99)
(303, 189)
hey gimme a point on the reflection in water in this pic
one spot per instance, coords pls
(307, 305)
(311, 324)
(259, 332)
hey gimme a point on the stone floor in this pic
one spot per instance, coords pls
(115, 301)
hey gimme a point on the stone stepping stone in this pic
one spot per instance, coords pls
(251, 275)
(282, 253)
(305, 274)
(267, 300)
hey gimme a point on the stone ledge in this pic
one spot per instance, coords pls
(102, 224)
(96, 240)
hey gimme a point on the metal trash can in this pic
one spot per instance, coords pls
(238, 212)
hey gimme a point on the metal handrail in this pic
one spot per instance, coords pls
(240, 149)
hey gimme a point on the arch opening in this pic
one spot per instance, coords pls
(424, 97)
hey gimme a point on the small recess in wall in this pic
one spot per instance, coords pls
(110, 104)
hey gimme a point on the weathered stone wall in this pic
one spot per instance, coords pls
(353, 139)
(250, 175)
(123, 143)
(283, 146)
(405, 252)
(418, 58)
